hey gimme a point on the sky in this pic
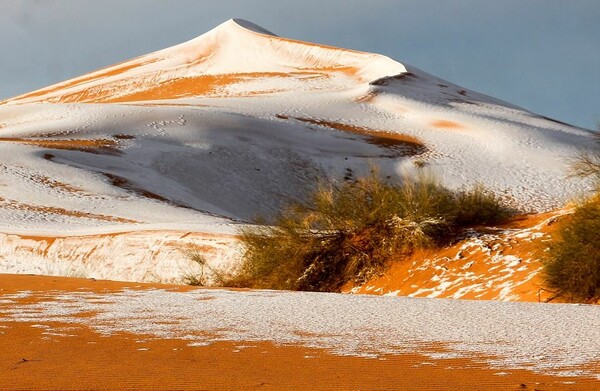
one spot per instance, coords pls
(543, 55)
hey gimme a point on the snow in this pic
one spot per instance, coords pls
(147, 256)
(547, 338)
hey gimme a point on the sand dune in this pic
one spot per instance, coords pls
(205, 136)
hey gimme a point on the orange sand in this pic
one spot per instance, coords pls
(179, 88)
(472, 272)
(102, 73)
(444, 124)
(57, 185)
(86, 360)
(377, 137)
(85, 145)
(203, 85)
(207, 84)
(16, 205)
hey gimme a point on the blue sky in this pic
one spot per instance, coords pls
(543, 55)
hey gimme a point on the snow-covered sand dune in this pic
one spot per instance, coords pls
(231, 125)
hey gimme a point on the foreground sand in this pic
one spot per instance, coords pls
(62, 353)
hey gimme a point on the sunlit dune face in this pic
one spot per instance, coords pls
(502, 265)
(128, 90)
(445, 124)
(349, 71)
(203, 66)
(172, 89)
(135, 81)
(204, 85)
(112, 71)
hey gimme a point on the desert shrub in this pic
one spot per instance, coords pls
(479, 206)
(206, 273)
(572, 266)
(587, 164)
(349, 232)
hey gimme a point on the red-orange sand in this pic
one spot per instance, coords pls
(86, 360)
(445, 124)
(472, 272)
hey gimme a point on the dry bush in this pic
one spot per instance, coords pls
(207, 275)
(349, 232)
(572, 266)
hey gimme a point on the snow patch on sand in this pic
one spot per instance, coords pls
(506, 335)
